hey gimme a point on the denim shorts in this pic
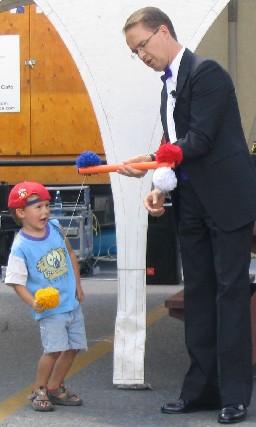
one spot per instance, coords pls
(64, 331)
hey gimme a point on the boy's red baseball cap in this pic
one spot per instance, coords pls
(20, 192)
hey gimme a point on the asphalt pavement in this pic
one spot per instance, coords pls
(166, 362)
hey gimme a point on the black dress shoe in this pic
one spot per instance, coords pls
(178, 407)
(232, 414)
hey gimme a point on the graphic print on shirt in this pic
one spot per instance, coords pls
(53, 264)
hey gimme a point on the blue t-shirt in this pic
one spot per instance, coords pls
(42, 262)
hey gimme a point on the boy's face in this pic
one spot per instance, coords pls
(35, 216)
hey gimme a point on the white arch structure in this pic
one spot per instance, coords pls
(125, 97)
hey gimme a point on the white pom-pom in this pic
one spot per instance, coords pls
(164, 179)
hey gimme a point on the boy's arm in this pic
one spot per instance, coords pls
(75, 264)
(26, 296)
(16, 276)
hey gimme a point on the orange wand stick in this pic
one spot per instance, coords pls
(113, 168)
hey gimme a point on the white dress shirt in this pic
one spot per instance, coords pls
(171, 84)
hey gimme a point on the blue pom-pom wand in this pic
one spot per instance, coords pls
(88, 158)
(90, 163)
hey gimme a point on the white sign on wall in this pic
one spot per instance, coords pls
(9, 74)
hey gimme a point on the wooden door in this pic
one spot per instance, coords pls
(56, 117)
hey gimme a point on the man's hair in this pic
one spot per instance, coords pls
(150, 17)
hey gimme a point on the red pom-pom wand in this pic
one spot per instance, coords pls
(169, 153)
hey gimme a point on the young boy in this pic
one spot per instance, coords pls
(42, 257)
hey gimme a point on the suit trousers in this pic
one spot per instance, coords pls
(216, 304)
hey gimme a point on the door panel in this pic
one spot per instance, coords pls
(62, 117)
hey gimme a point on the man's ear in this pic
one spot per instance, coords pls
(164, 29)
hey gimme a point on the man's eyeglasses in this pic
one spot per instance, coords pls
(142, 46)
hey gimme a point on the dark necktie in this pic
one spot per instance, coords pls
(166, 75)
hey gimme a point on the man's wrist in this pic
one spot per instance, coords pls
(152, 157)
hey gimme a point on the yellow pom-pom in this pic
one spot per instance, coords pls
(48, 298)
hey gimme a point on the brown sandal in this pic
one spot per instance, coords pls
(41, 401)
(70, 398)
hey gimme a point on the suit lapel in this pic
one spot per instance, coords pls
(184, 71)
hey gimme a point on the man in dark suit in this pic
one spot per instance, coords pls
(215, 208)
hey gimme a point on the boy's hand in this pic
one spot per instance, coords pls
(36, 307)
(79, 293)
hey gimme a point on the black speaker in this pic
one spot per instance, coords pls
(8, 229)
(163, 266)
(4, 193)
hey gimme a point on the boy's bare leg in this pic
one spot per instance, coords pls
(60, 395)
(39, 397)
(61, 368)
(45, 368)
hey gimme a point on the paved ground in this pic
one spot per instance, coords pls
(104, 404)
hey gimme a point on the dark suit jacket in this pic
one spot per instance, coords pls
(209, 132)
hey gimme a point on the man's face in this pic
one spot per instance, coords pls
(151, 46)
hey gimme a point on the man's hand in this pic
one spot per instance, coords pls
(154, 202)
(127, 170)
